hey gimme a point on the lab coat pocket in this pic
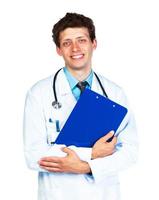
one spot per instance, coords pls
(53, 129)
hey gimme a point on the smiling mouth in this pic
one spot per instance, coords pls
(76, 57)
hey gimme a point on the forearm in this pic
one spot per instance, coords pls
(104, 167)
(125, 155)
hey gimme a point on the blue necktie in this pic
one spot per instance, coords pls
(82, 85)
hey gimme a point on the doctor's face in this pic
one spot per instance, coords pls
(76, 48)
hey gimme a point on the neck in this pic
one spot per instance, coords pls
(80, 74)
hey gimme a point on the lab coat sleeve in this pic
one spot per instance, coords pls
(83, 153)
(34, 131)
(35, 136)
(126, 150)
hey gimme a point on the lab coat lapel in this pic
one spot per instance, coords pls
(95, 85)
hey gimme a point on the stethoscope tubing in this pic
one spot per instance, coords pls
(56, 104)
(103, 90)
(54, 85)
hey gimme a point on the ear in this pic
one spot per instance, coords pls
(58, 50)
(94, 44)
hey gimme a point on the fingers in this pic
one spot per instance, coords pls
(48, 164)
(114, 140)
(107, 136)
(51, 159)
(51, 169)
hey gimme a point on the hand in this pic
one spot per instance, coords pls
(103, 148)
(69, 164)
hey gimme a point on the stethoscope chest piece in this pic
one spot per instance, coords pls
(56, 104)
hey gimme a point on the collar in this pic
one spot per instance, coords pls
(73, 81)
(63, 86)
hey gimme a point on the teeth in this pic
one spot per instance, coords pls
(77, 56)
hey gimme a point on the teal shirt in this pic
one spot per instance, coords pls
(73, 82)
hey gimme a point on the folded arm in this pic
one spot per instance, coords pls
(71, 163)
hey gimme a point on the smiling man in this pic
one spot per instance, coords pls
(76, 48)
(75, 172)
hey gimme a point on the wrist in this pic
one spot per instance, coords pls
(85, 168)
(94, 154)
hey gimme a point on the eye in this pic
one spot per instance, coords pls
(66, 43)
(82, 40)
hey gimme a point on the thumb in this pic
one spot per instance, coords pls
(114, 140)
(67, 150)
(107, 136)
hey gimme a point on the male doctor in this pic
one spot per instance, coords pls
(75, 173)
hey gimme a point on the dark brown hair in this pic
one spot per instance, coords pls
(73, 20)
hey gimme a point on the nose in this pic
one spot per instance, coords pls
(75, 46)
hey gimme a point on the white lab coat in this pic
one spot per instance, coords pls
(103, 184)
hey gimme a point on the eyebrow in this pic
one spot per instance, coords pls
(67, 39)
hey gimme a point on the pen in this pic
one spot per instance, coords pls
(57, 126)
(50, 120)
(57, 122)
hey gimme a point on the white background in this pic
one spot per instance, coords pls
(127, 53)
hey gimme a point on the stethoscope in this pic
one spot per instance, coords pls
(56, 104)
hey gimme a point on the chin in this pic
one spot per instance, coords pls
(77, 67)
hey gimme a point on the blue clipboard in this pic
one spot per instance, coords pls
(92, 117)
